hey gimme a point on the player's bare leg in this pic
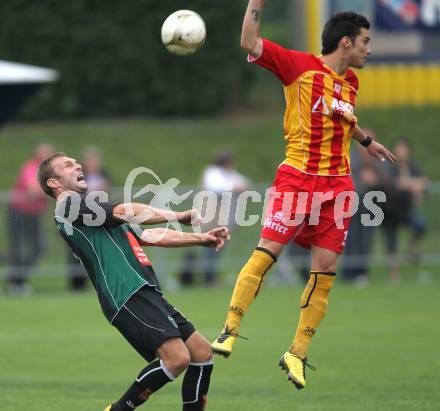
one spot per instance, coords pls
(313, 303)
(247, 286)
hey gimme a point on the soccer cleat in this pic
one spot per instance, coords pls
(108, 408)
(295, 366)
(224, 344)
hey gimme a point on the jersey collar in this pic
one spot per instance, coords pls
(342, 77)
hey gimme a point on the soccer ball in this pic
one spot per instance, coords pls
(183, 32)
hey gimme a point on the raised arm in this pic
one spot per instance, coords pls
(138, 213)
(250, 35)
(163, 237)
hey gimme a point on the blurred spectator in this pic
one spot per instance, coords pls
(219, 177)
(407, 184)
(96, 176)
(97, 179)
(368, 175)
(27, 206)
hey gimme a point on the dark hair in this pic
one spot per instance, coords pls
(45, 171)
(347, 23)
(223, 158)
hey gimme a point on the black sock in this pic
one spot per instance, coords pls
(150, 379)
(195, 386)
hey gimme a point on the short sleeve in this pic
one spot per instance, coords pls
(217, 180)
(287, 65)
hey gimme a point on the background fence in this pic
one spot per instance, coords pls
(169, 262)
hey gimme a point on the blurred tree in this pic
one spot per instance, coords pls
(112, 61)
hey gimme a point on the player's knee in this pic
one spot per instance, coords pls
(174, 355)
(203, 353)
(273, 248)
(180, 361)
(324, 260)
(325, 266)
(330, 268)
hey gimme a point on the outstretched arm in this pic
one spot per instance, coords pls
(162, 237)
(374, 148)
(137, 213)
(250, 35)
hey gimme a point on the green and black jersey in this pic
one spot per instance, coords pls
(109, 250)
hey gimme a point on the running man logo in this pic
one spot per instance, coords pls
(164, 195)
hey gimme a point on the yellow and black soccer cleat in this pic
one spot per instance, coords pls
(108, 408)
(295, 366)
(224, 344)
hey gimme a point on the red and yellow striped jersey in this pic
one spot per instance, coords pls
(317, 142)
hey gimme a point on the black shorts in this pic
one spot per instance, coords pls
(147, 320)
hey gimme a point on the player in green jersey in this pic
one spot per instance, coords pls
(127, 287)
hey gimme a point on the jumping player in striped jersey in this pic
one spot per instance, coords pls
(126, 284)
(319, 123)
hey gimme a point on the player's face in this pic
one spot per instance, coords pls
(69, 175)
(360, 49)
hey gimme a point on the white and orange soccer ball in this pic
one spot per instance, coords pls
(183, 32)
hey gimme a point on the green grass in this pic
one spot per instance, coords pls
(376, 350)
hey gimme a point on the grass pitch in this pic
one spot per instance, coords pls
(376, 350)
